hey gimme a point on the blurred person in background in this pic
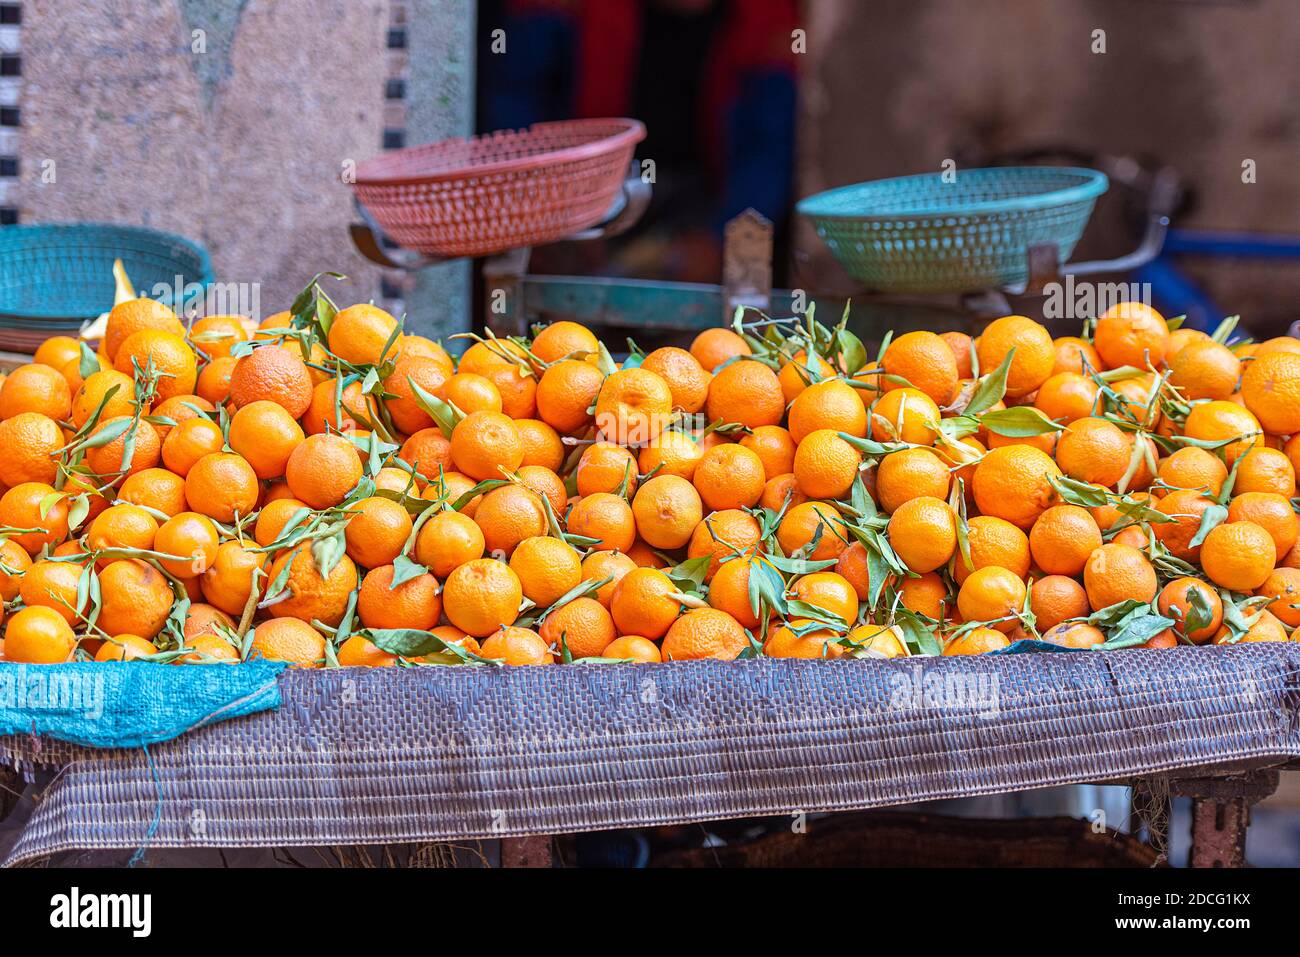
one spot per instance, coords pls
(713, 80)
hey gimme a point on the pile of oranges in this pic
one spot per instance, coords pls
(324, 489)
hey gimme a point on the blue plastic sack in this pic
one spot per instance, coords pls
(1031, 646)
(127, 705)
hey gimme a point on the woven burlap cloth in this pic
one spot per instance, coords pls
(442, 754)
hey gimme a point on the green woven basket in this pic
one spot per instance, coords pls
(58, 276)
(925, 234)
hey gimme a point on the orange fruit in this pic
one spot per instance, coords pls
(94, 393)
(773, 446)
(448, 540)
(903, 415)
(962, 348)
(599, 566)
(1187, 508)
(546, 485)
(228, 581)
(1063, 538)
(209, 650)
(57, 351)
(427, 451)
(1074, 635)
(583, 626)
(1264, 470)
(36, 506)
(853, 566)
(606, 518)
(992, 593)
(1205, 370)
(667, 509)
(217, 336)
(926, 595)
(801, 524)
(1283, 586)
(730, 476)
(222, 486)
(1235, 556)
(1193, 468)
(1217, 420)
(136, 599)
(508, 515)
(712, 347)
(799, 372)
(1266, 628)
(322, 470)
(1035, 355)
(376, 532)
(53, 585)
(308, 594)
(993, 542)
(189, 442)
(125, 648)
(1270, 387)
(1178, 600)
(643, 603)
(127, 318)
(14, 562)
(265, 434)
(472, 393)
(288, 639)
(779, 490)
(518, 647)
(828, 591)
(205, 620)
(360, 652)
(1094, 450)
(784, 642)
(482, 596)
(158, 489)
(272, 374)
(403, 406)
(484, 444)
(1276, 344)
(38, 636)
(688, 381)
(1056, 598)
(746, 392)
(977, 641)
(123, 526)
(1116, 573)
(548, 568)
(177, 409)
(729, 591)
(168, 353)
(333, 411)
(1269, 511)
(507, 366)
(633, 648)
(926, 362)
(106, 460)
(633, 406)
(561, 339)
(213, 383)
(360, 333)
(412, 604)
(1131, 334)
(825, 465)
(1075, 355)
(604, 467)
(1013, 483)
(923, 533)
(833, 405)
(30, 442)
(1067, 397)
(704, 633)
(880, 640)
(35, 388)
(1180, 339)
(908, 474)
(541, 443)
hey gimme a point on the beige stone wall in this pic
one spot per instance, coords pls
(896, 86)
(242, 152)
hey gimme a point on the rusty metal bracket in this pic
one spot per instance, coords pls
(534, 851)
(1221, 814)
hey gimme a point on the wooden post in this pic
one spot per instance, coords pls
(534, 851)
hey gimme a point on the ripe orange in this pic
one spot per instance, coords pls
(125, 648)
(291, 640)
(1271, 512)
(507, 366)
(779, 490)
(908, 474)
(633, 648)
(565, 393)
(14, 562)
(1116, 573)
(136, 599)
(1013, 483)
(1131, 334)
(606, 518)
(508, 515)
(801, 525)
(1074, 635)
(1283, 586)
(217, 336)
(833, 405)
(1179, 600)
(412, 604)
(272, 374)
(903, 415)
(977, 641)
(561, 339)
(517, 647)
(1217, 421)
(828, 591)
(1205, 370)
(1063, 538)
(583, 625)
(359, 334)
(35, 506)
(265, 434)
(633, 406)
(926, 362)
(923, 532)
(668, 508)
(129, 317)
(106, 460)
(604, 467)
(93, 395)
(730, 476)
(1265, 470)
(482, 596)
(1270, 387)
(713, 347)
(541, 443)
(746, 392)
(993, 542)
(307, 593)
(1056, 598)
(29, 442)
(360, 652)
(1035, 355)
(1236, 556)
(222, 486)
(773, 446)
(177, 409)
(1094, 450)
(447, 541)
(123, 526)
(599, 566)
(472, 393)
(190, 441)
(403, 406)
(643, 603)
(35, 388)
(1193, 468)
(376, 532)
(785, 643)
(547, 568)
(687, 379)
(990, 594)
(38, 636)
(322, 470)
(1075, 355)
(427, 451)
(798, 372)
(167, 353)
(484, 444)
(704, 633)
(729, 591)
(1067, 397)
(48, 584)
(228, 582)
(158, 489)
(1187, 508)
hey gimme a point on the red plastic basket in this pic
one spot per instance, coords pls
(486, 194)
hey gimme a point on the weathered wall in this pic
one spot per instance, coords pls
(239, 145)
(896, 86)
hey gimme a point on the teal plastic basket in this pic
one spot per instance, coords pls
(58, 276)
(922, 234)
